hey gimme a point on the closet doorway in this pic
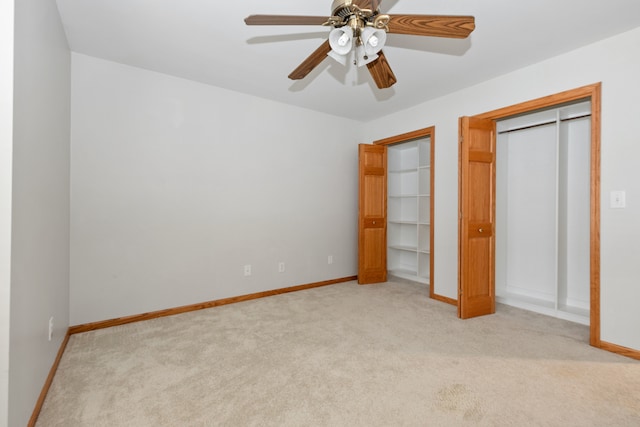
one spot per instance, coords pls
(542, 211)
(478, 221)
(395, 212)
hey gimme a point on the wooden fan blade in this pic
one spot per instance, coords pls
(381, 72)
(458, 27)
(284, 20)
(311, 62)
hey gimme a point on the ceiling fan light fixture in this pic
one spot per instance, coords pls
(373, 39)
(341, 40)
(360, 32)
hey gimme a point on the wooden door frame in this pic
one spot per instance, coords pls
(593, 93)
(410, 136)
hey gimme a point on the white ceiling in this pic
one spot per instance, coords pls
(207, 41)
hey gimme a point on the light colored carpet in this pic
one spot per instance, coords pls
(343, 355)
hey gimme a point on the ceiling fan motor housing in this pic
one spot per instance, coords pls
(347, 8)
(341, 8)
(347, 12)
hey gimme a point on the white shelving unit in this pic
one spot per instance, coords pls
(408, 210)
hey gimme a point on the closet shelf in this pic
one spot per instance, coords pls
(408, 170)
(408, 222)
(403, 196)
(404, 248)
(403, 272)
(407, 274)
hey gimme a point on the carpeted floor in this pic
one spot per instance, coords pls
(343, 355)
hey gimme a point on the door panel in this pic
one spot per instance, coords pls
(372, 214)
(476, 292)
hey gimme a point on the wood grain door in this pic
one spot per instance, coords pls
(372, 214)
(476, 291)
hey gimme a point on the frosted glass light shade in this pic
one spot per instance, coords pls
(341, 40)
(373, 40)
(342, 59)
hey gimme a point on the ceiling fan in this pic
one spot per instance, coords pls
(359, 33)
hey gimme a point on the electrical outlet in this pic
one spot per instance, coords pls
(281, 267)
(50, 328)
(247, 270)
(330, 259)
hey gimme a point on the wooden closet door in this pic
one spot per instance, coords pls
(372, 214)
(476, 292)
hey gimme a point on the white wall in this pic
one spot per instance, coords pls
(6, 161)
(177, 185)
(40, 229)
(616, 64)
(526, 213)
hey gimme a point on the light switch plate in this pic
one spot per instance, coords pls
(618, 199)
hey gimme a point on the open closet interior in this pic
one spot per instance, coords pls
(543, 211)
(409, 209)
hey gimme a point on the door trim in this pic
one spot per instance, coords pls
(405, 137)
(593, 93)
